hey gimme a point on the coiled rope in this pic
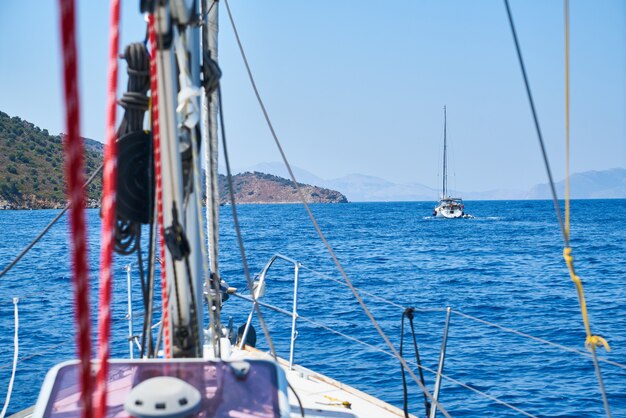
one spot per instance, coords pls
(16, 347)
(135, 188)
(109, 180)
(592, 341)
(73, 146)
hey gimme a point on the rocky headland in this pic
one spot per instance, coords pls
(32, 177)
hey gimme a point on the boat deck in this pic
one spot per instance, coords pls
(322, 396)
(317, 395)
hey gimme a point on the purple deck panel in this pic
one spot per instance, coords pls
(224, 395)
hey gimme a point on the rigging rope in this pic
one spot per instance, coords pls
(158, 179)
(314, 221)
(73, 145)
(408, 313)
(392, 355)
(462, 314)
(592, 341)
(210, 79)
(135, 177)
(149, 303)
(541, 340)
(109, 215)
(470, 317)
(16, 347)
(242, 251)
(214, 314)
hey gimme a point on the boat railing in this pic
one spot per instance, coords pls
(298, 268)
(259, 290)
(438, 373)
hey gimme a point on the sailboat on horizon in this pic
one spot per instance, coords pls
(448, 206)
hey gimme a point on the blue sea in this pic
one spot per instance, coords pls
(504, 266)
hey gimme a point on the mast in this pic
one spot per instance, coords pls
(445, 168)
(209, 39)
(211, 75)
(178, 71)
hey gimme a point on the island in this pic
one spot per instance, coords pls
(32, 176)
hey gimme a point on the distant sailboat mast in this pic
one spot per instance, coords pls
(448, 207)
(445, 168)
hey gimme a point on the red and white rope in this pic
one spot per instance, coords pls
(109, 179)
(73, 148)
(159, 179)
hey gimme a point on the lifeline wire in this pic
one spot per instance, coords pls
(592, 340)
(15, 356)
(316, 226)
(380, 350)
(470, 317)
(473, 318)
(467, 316)
(364, 292)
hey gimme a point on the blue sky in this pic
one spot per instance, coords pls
(359, 86)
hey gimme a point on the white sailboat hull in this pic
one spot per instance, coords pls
(449, 208)
(449, 214)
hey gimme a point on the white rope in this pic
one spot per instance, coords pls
(209, 141)
(214, 314)
(15, 356)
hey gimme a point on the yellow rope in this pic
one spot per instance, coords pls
(592, 340)
(567, 211)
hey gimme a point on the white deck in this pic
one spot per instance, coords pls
(322, 396)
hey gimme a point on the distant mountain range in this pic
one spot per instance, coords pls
(31, 177)
(605, 184)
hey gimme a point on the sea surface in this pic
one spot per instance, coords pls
(504, 266)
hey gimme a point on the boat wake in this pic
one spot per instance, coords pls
(466, 216)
